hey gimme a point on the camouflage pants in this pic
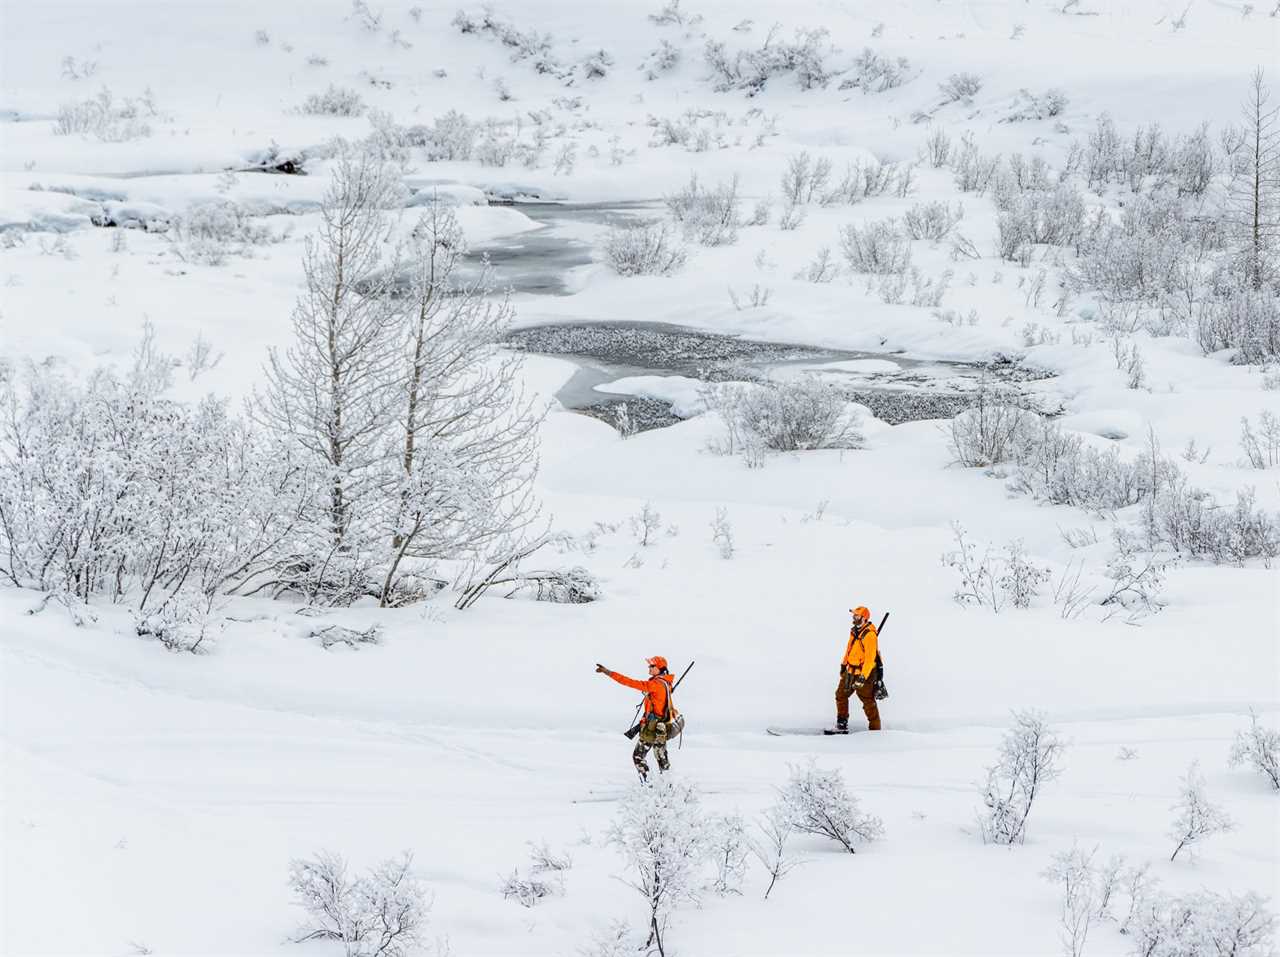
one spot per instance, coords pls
(638, 757)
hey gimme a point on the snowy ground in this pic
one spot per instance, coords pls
(152, 802)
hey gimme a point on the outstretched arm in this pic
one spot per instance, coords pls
(623, 679)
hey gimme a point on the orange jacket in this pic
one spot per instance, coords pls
(860, 653)
(657, 691)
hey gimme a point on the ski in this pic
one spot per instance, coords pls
(786, 732)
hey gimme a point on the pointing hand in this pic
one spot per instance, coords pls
(601, 668)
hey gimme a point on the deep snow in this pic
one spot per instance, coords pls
(154, 801)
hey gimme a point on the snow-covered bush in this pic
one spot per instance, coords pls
(645, 524)
(1189, 520)
(210, 232)
(661, 831)
(772, 847)
(722, 533)
(1073, 870)
(1135, 577)
(663, 59)
(817, 801)
(937, 148)
(873, 73)
(960, 87)
(1258, 747)
(933, 220)
(644, 249)
(806, 180)
(523, 44)
(1203, 923)
(729, 847)
(1055, 218)
(381, 914)
(796, 415)
(1243, 320)
(109, 487)
(708, 216)
(107, 118)
(451, 137)
(880, 247)
(822, 268)
(974, 171)
(993, 431)
(1030, 106)
(335, 101)
(994, 580)
(543, 879)
(184, 621)
(1197, 818)
(1030, 757)
(750, 70)
(1262, 448)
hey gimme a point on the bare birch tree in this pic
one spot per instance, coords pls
(467, 435)
(1254, 208)
(328, 392)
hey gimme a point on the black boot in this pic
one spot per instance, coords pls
(842, 727)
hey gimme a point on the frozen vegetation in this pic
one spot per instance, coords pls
(966, 312)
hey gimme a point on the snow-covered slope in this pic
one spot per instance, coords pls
(153, 801)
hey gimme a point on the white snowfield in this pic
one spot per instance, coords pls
(153, 801)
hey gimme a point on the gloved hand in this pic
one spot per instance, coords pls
(600, 669)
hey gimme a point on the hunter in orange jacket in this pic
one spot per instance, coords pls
(857, 672)
(655, 691)
(658, 721)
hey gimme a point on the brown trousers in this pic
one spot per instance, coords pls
(866, 694)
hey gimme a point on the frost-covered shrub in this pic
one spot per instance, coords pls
(749, 70)
(185, 621)
(335, 101)
(992, 579)
(107, 118)
(937, 148)
(822, 268)
(661, 831)
(1054, 218)
(932, 220)
(524, 45)
(1243, 320)
(451, 137)
(796, 415)
(1197, 818)
(209, 232)
(1061, 469)
(1259, 747)
(1262, 448)
(1134, 577)
(974, 170)
(880, 247)
(381, 914)
(960, 86)
(663, 59)
(108, 487)
(643, 249)
(1202, 923)
(873, 73)
(1030, 106)
(729, 846)
(708, 216)
(1030, 757)
(817, 801)
(1189, 520)
(992, 431)
(806, 180)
